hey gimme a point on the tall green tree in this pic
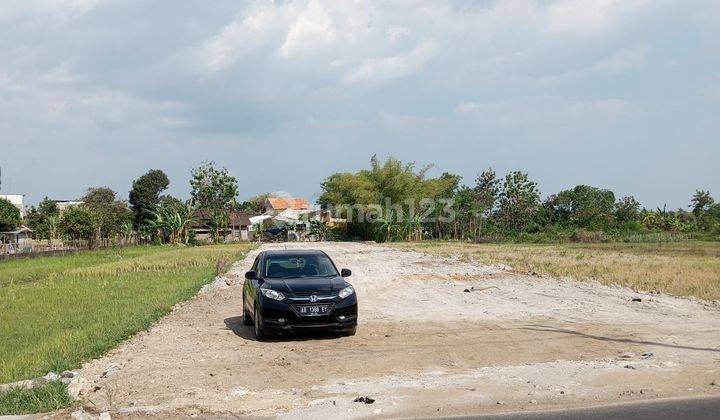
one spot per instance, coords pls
(487, 188)
(253, 205)
(583, 206)
(76, 223)
(44, 219)
(627, 209)
(145, 194)
(212, 188)
(9, 215)
(701, 201)
(107, 214)
(389, 200)
(519, 201)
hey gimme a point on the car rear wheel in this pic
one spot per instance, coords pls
(257, 322)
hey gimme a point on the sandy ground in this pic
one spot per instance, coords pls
(424, 347)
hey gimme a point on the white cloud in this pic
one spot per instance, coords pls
(373, 71)
(586, 17)
(57, 9)
(312, 28)
(397, 32)
(467, 107)
(545, 110)
(621, 61)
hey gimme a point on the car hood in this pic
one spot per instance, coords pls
(308, 285)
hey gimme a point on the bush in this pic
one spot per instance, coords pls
(587, 236)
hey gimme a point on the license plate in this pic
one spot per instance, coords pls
(313, 310)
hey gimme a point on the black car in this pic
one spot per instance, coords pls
(295, 290)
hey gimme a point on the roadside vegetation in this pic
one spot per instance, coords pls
(56, 312)
(689, 268)
(42, 399)
(396, 201)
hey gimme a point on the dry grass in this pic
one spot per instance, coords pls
(681, 269)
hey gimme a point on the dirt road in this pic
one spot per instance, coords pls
(424, 347)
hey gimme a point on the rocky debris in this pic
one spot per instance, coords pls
(50, 377)
(77, 386)
(629, 367)
(28, 384)
(715, 383)
(533, 401)
(479, 289)
(647, 355)
(110, 370)
(239, 392)
(365, 400)
(500, 403)
(64, 377)
(84, 415)
(627, 355)
(636, 299)
(81, 415)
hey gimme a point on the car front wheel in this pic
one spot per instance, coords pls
(349, 332)
(257, 322)
(247, 320)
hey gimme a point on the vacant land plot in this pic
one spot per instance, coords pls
(680, 269)
(56, 312)
(437, 336)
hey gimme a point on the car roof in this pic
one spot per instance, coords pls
(292, 252)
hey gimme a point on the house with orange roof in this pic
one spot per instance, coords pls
(276, 205)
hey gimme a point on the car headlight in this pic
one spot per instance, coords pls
(346, 292)
(273, 294)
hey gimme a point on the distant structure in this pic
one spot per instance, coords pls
(62, 205)
(18, 200)
(276, 205)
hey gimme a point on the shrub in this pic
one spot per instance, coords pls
(587, 236)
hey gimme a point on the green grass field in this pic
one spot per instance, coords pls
(56, 312)
(689, 268)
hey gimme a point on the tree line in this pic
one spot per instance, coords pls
(399, 201)
(149, 215)
(498, 208)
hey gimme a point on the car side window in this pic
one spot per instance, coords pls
(255, 264)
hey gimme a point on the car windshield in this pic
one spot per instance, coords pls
(299, 266)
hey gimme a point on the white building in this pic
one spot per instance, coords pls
(62, 205)
(17, 200)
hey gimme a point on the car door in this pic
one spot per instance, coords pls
(250, 287)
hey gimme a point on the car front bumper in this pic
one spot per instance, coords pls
(281, 317)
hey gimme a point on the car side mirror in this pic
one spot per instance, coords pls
(345, 272)
(251, 275)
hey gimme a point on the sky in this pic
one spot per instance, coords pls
(618, 94)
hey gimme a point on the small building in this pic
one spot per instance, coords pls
(238, 225)
(275, 205)
(17, 200)
(16, 241)
(62, 205)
